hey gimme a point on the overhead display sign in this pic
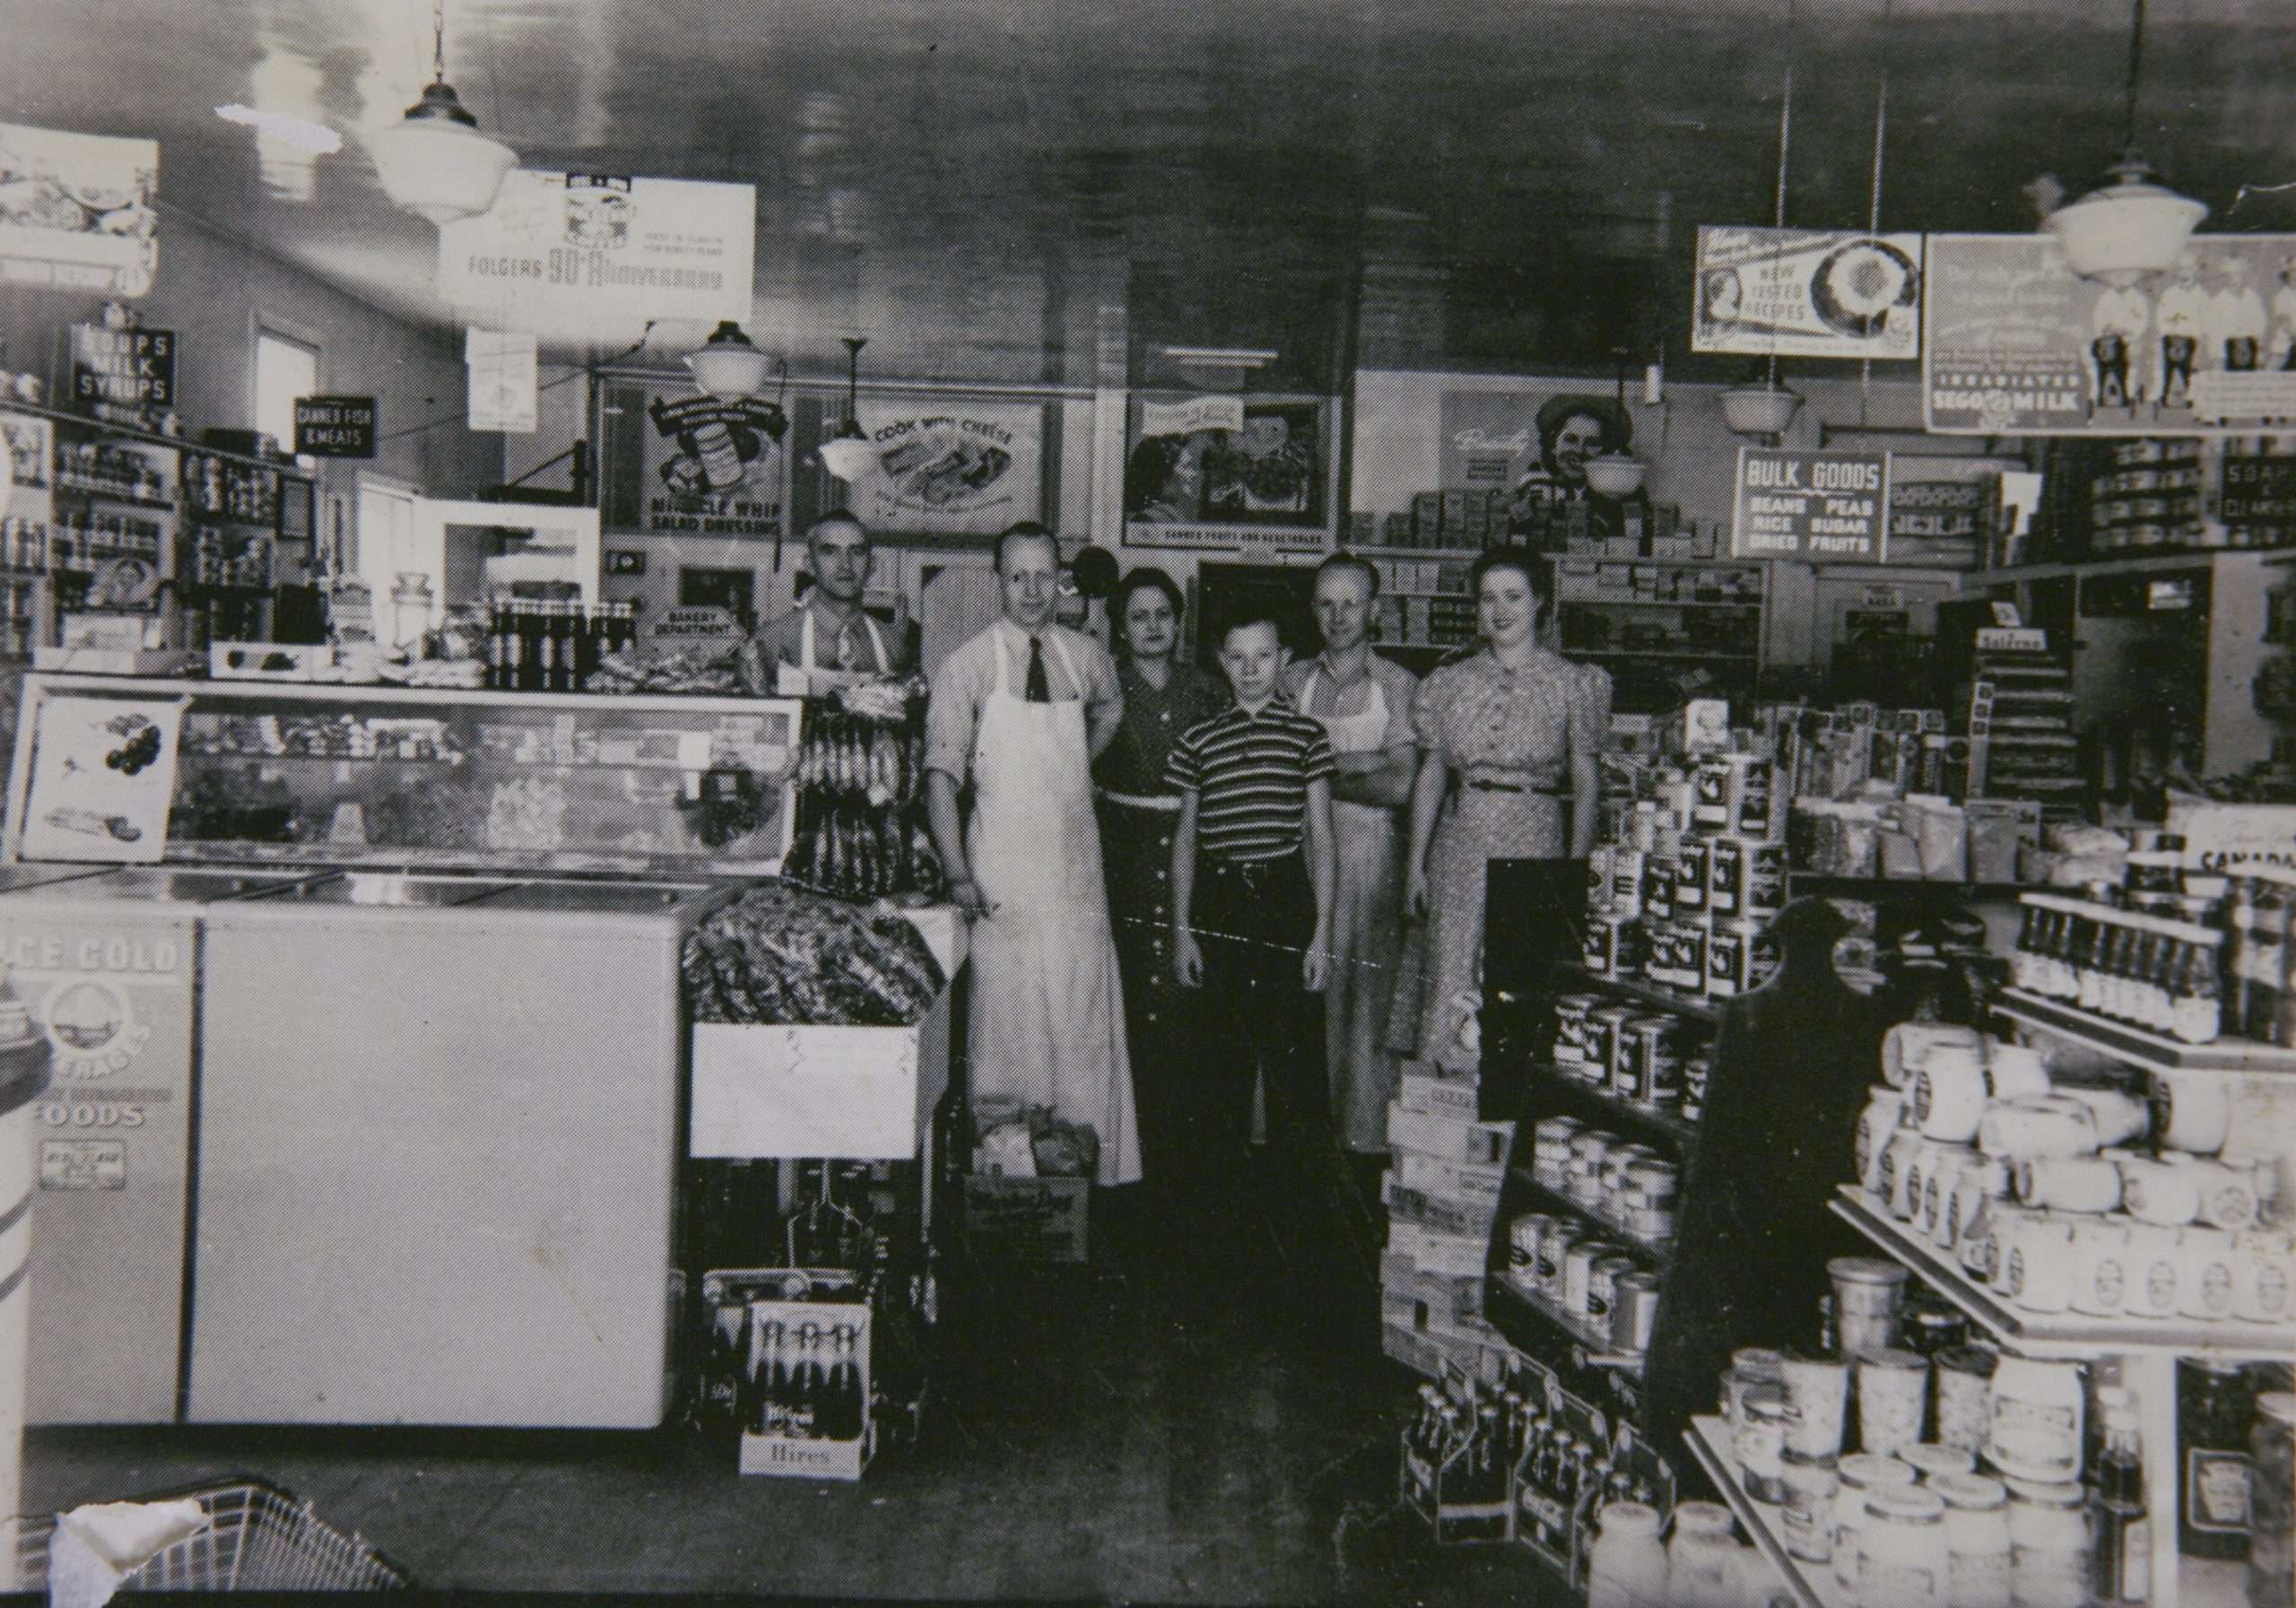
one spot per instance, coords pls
(2018, 344)
(1821, 507)
(1802, 293)
(566, 251)
(951, 469)
(1265, 483)
(335, 427)
(75, 210)
(504, 380)
(123, 370)
(712, 468)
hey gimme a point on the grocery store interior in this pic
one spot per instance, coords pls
(591, 1032)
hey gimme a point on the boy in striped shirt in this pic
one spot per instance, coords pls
(1252, 872)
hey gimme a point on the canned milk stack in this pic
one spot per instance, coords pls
(1683, 894)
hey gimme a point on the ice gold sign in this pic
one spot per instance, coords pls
(1820, 507)
(138, 954)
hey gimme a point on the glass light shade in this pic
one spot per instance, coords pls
(727, 365)
(1760, 410)
(848, 458)
(1616, 474)
(434, 163)
(2128, 230)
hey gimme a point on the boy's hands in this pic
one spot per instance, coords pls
(1187, 960)
(1315, 966)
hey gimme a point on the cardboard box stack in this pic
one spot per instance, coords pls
(1442, 1197)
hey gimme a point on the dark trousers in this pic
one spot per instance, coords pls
(1253, 920)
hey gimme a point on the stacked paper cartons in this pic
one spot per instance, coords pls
(1441, 1195)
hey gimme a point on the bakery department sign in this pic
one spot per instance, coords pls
(563, 250)
(1802, 293)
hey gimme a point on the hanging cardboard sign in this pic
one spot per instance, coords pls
(102, 772)
(1266, 483)
(503, 381)
(951, 469)
(2018, 344)
(75, 210)
(123, 370)
(335, 427)
(1820, 507)
(1801, 292)
(563, 252)
(712, 468)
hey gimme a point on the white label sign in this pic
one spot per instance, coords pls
(1186, 418)
(502, 380)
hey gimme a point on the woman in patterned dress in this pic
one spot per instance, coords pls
(1163, 696)
(1509, 742)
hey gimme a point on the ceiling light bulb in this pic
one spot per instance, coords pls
(727, 365)
(434, 163)
(2128, 230)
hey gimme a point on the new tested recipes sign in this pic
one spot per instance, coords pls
(1798, 292)
(965, 470)
(75, 210)
(1822, 507)
(561, 252)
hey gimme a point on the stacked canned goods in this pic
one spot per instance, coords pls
(1653, 1060)
(1630, 1186)
(1681, 892)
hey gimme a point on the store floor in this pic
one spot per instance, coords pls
(1201, 1417)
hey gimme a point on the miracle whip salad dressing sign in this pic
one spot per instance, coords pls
(1822, 507)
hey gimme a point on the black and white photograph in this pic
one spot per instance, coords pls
(1270, 802)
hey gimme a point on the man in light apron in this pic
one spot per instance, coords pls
(1363, 702)
(828, 638)
(1021, 710)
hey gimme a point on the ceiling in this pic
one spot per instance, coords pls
(970, 182)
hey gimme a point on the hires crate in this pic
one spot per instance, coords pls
(1027, 1219)
(804, 1389)
(1461, 1494)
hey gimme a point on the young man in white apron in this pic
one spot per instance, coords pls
(829, 638)
(1363, 702)
(1021, 710)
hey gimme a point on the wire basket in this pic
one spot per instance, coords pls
(257, 1538)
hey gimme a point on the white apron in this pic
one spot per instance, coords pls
(1366, 931)
(1047, 1017)
(806, 679)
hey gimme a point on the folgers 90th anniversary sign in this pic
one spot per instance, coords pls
(1822, 507)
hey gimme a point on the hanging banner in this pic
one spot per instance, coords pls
(951, 469)
(563, 251)
(102, 772)
(1821, 507)
(712, 468)
(1266, 482)
(503, 381)
(75, 210)
(1801, 292)
(2018, 344)
(1186, 418)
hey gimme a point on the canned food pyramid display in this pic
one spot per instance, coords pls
(1690, 872)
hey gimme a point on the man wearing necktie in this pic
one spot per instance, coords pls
(1047, 1020)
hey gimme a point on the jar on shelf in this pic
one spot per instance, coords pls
(1702, 1559)
(1977, 1540)
(1901, 1550)
(2048, 1544)
(2037, 1412)
(1883, 1114)
(2271, 1456)
(1867, 1291)
(1805, 1513)
(2216, 1408)
(1760, 1442)
(1964, 1397)
(1861, 1474)
(1626, 1568)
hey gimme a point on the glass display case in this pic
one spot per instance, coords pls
(421, 778)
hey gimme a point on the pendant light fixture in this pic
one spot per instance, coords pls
(849, 455)
(1767, 408)
(433, 161)
(1617, 472)
(727, 365)
(2133, 227)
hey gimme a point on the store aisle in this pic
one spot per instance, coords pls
(1172, 1425)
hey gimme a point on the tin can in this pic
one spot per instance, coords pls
(1658, 951)
(1725, 949)
(1550, 1150)
(1646, 1038)
(1642, 825)
(1677, 796)
(1690, 877)
(1634, 1310)
(1757, 816)
(1602, 1287)
(1626, 879)
(1617, 1161)
(1648, 1217)
(1523, 1247)
(1579, 1272)
(1582, 1181)
(1604, 1023)
(1659, 1066)
(1715, 806)
(1695, 1072)
(1599, 877)
(1726, 870)
(1763, 888)
(1690, 957)
(1762, 957)
(1598, 951)
(1571, 1028)
(1658, 872)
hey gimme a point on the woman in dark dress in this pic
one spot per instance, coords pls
(1163, 696)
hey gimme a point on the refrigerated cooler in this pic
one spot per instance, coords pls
(399, 1008)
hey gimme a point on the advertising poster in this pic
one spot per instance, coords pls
(563, 251)
(2018, 344)
(102, 771)
(1819, 507)
(951, 468)
(711, 467)
(1800, 292)
(504, 378)
(1228, 473)
(75, 210)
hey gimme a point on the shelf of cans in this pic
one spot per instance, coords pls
(220, 488)
(1518, 1459)
(210, 556)
(547, 646)
(111, 469)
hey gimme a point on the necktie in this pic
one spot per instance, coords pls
(1040, 689)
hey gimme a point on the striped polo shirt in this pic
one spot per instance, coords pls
(1250, 775)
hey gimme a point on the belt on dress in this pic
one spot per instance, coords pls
(1486, 787)
(1142, 801)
